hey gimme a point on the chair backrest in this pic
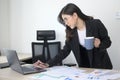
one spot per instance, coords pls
(37, 50)
(46, 35)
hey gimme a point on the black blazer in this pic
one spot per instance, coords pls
(100, 58)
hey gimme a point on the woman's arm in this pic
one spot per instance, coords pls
(105, 41)
(62, 55)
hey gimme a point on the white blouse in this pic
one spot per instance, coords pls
(81, 35)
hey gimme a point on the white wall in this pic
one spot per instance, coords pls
(27, 16)
(4, 24)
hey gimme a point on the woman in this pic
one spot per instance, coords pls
(78, 26)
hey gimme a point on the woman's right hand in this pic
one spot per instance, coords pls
(40, 64)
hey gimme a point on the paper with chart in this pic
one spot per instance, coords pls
(73, 73)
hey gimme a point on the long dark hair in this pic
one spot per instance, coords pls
(69, 9)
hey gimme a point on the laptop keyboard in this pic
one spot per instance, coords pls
(28, 68)
(32, 68)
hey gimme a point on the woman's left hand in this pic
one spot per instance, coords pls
(97, 42)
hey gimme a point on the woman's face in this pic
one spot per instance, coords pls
(70, 20)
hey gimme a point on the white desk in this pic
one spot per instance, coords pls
(3, 59)
(22, 57)
(8, 74)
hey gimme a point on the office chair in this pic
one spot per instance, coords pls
(46, 35)
(46, 50)
(37, 51)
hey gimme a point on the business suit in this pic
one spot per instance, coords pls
(100, 58)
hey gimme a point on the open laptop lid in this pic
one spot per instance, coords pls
(13, 60)
(14, 63)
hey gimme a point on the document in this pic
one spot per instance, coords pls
(73, 73)
(60, 73)
(99, 74)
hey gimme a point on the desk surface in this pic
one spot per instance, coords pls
(3, 59)
(9, 74)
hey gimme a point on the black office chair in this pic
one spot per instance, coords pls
(45, 50)
(39, 54)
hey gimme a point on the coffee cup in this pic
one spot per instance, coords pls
(89, 43)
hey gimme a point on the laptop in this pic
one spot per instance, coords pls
(15, 65)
